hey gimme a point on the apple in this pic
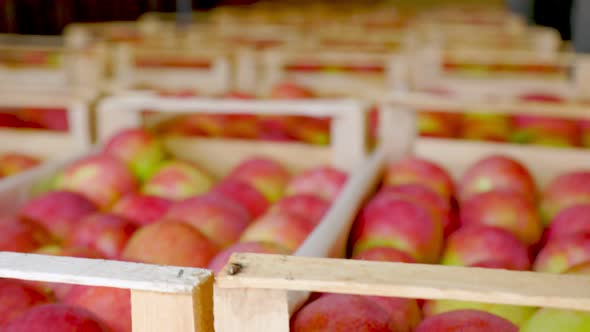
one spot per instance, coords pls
(266, 175)
(560, 255)
(244, 194)
(411, 170)
(240, 126)
(286, 230)
(405, 313)
(10, 120)
(278, 127)
(583, 268)
(486, 127)
(22, 236)
(289, 90)
(209, 125)
(400, 224)
(55, 119)
(504, 209)
(438, 124)
(16, 297)
(101, 178)
(137, 148)
(342, 312)
(496, 172)
(466, 321)
(13, 163)
(517, 315)
(220, 219)
(584, 126)
(439, 206)
(58, 211)
(326, 182)
(306, 206)
(570, 221)
(545, 130)
(384, 254)
(176, 180)
(56, 318)
(565, 191)
(170, 243)
(111, 305)
(106, 233)
(549, 320)
(541, 97)
(471, 245)
(221, 259)
(313, 130)
(142, 209)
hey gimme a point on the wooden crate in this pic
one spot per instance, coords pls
(203, 71)
(163, 298)
(47, 144)
(340, 72)
(563, 74)
(261, 292)
(44, 62)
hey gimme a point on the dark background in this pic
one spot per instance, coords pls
(50, 16)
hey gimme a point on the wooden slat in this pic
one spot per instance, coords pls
(98, 272)
(423, 281)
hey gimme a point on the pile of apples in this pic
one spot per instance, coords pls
(311, 130)
(493, 217)
(12, 163)
(502, 68)
(521, 129)
(131, 202)
(55, 119)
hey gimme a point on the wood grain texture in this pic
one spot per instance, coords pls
(277, 272)
(98, 272)
(251, 310)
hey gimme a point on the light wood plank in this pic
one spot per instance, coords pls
(251, 310)
(277, 272)
(98, 272)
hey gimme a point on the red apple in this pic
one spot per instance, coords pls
(565, 191)
(326, 182)
(486, 127)
(139, 149)
(170, 243)
(384, 254)
(541, 97)
(496, 172)
(111, 305)
(106, 233)
(466, 321)
(310, 207)
(471, 245)
(508, 210)
(16, 297)
(438, 124)
(48, 118)
(570, 221)
(58, 211)
(286, 230)
(240, 126)
(13, 163)
(405, 313)
(277, 127)
(440, 207)
(313, 130)
(220, 219)
(560, 255)
(399, 224)
(543, 130)
(56, 318)
(142, 209)
(243, 194)
(342, 312)
(221, 259)
(584, 126)
(10, 120)
(21, 236)
(267, 176)
(289, 90)
(103, 179)
(411, 170)
(176, 180)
